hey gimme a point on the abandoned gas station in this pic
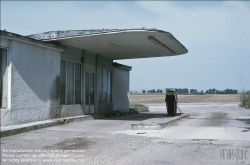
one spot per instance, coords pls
(72, 73)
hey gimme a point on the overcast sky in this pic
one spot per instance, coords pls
(216, 34)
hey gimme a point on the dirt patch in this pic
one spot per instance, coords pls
(160, 98)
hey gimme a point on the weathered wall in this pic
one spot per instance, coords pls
(120, 89)
(35, 81)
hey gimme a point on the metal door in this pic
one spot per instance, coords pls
(89, 92)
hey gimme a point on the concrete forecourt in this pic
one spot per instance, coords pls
(212, 133)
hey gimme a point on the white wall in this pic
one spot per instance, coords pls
(35, 81)
(120, 89)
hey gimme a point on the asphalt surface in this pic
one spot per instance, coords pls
(214, 133)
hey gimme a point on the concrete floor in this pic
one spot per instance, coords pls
(215, 133)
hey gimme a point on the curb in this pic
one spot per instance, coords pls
(156, 126)
(17, 129)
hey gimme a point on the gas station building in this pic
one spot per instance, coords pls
(60, 74)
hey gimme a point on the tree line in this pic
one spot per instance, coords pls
(195, 91)
(226, 91)
(153, 91)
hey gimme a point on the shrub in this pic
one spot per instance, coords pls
(245, 99)
(138, 107)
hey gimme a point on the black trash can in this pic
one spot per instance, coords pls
(171, 101)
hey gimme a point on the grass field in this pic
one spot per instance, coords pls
(160, 98)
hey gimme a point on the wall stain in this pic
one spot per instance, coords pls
(55, 111)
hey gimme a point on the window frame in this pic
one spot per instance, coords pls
(74, 82)
(100, 94)
(7, 80)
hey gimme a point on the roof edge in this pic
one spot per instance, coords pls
(54, 35)
(121, 66)
(18, 37)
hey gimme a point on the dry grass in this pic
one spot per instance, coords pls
(138, 108)
(245, 99)
(160, 98)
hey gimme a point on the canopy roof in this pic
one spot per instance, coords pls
(118, 43)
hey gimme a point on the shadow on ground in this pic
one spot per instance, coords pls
(140, 116)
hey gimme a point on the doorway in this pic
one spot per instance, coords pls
(89, 92)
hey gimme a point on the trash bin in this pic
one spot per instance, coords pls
(171, 101)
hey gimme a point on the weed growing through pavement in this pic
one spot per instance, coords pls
(245, 99)
(138, 107)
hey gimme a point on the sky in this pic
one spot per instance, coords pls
(216, 34)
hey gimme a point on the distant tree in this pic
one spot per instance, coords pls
(230, 91)
(226, 91)
(219, 92)
(183, 90)
(159, 91)
(211, 91)
(143, 91)
(193, 91)
(208, 91)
